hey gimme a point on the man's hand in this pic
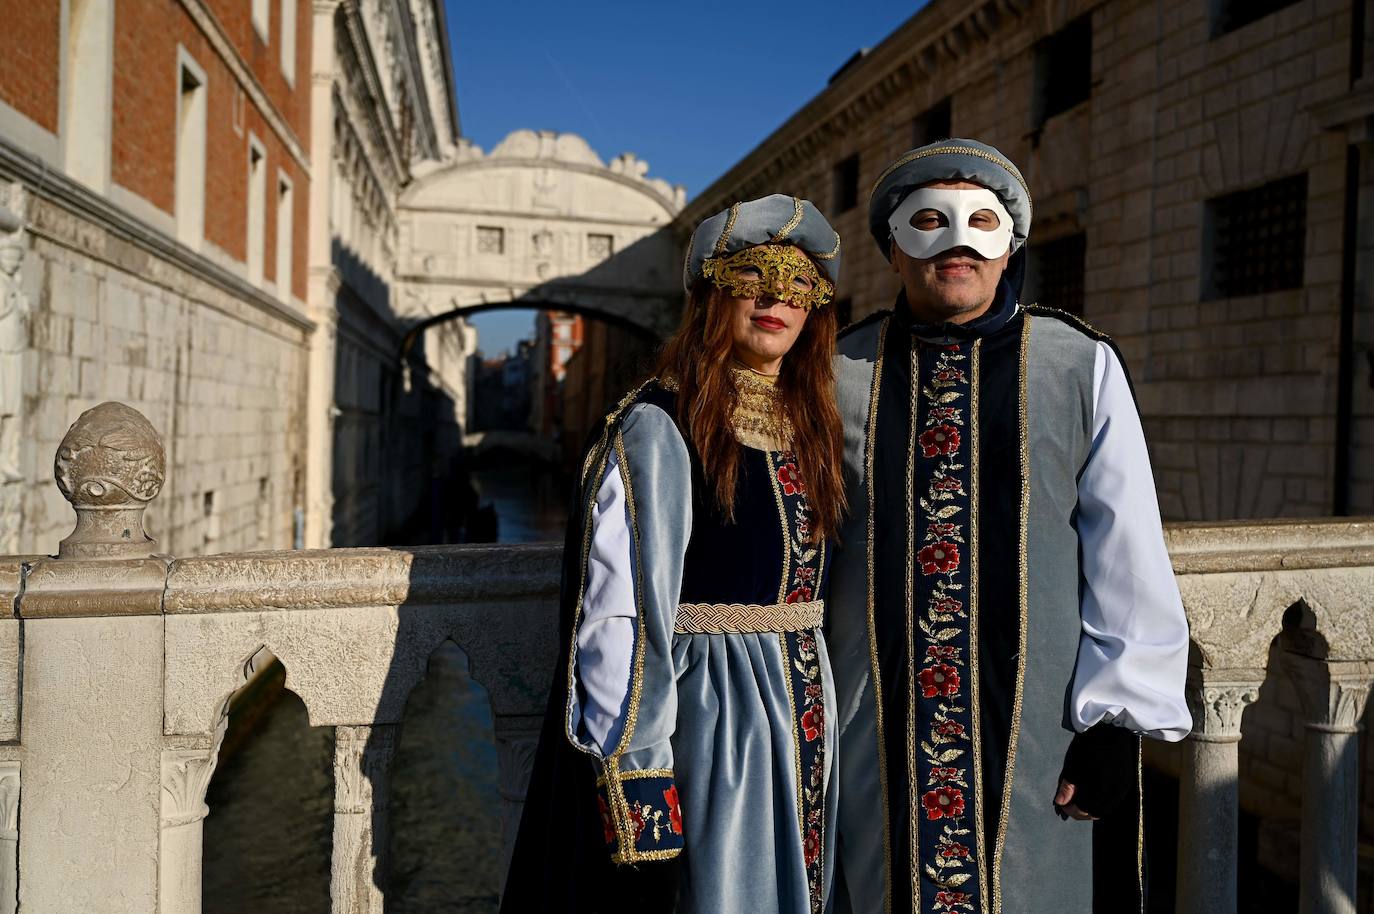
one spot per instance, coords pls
(1063, 804)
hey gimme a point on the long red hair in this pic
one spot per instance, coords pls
(699, 355)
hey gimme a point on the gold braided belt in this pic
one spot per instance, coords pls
(741, 618)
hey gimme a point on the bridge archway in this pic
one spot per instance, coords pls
(541, 222)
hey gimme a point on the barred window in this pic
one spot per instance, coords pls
(599, 247)
(1057, 272)
(1229, 15)
(931, 125)
(846, 184)
(491, 240)
(1256, 239)
(1063, 70)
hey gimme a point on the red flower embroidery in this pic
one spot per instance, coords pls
(948, 606)
(944, 413)
(949, 374)
(942, 557)
(949, 899)
(939, 680)
(943, 439)
(946, 774)
(811, 849)
(806, 573)
(942, 652)
(948, 484)
(813, 721)
(944, 529)
(674, 809)
(953, 850)
(947, 802)
(791, 479)
(949, 728)
(801, 595)
(637, 819)
(607, 826)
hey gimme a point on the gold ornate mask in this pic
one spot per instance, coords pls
(779, 270)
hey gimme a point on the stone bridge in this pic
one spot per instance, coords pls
(128, 659)
(541, 222)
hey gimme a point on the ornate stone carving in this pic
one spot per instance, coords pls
(110, 465)
(1217, 705)
(185, 778)
(14, 315)
(1333, 693)
(9, 803)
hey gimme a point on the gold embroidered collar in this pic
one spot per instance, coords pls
(759, 419)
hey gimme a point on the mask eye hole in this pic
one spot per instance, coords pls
(803, 282)
(928, 220)
(984, 220)
(748, 273)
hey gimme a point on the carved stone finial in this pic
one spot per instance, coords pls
(110, 465)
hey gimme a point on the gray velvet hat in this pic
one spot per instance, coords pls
(948, 159)
(774, 219)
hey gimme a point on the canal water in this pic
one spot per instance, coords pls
(268, 836)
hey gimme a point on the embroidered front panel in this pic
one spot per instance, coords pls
(642, 819)
(804, 667)
(802, 573)
(944, 661)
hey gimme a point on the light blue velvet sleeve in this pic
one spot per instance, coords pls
(635, 765)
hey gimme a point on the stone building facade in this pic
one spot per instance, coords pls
(154, 160)
(198, 220)
(1202, 194)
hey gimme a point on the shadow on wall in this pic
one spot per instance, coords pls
(393, 436)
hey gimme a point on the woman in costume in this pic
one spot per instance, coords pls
(687, 758)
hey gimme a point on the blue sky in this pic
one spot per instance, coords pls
(689, 87)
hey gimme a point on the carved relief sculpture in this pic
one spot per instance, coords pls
(14, 312)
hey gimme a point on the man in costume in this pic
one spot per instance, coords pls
(1003, 619)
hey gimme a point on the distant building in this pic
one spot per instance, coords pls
(200, 201)
(1192, 166)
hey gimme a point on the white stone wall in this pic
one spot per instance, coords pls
(220, 376)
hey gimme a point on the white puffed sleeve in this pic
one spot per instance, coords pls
(1133, 653)
(606, 637)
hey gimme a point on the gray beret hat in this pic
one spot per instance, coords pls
(969, 160)
(773, 219)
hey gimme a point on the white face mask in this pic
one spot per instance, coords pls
(957, 207)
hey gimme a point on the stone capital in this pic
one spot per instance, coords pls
(1217, 699)
(1333, 692)
(185, 778)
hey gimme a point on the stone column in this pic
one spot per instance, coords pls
(185, 778)
(9, 837)
(1209, 790)
(1333, 695)
(517, 738)
(362, 771)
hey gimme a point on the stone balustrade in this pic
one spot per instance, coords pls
(127, 660)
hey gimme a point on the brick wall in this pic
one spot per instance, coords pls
(30, 48)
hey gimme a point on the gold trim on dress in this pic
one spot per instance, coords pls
(877, 690)
(1022, 600)
(974, 425)
(912, 769)
(641, 645)
(748, 618)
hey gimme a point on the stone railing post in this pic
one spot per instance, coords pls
(517, 738)
(92, 738)
(362, 774)
(1209, 790)
(9, 837)
(185, 778)
(1333, 696)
